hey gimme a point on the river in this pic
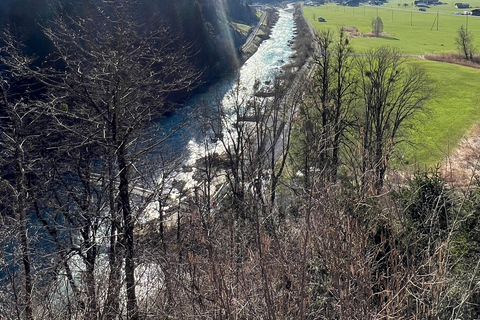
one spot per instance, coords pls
(263, 66)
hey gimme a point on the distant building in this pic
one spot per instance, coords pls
(351, 3)
(462, 5)
(476, 12)
(423, 3)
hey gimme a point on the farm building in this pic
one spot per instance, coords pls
(462, 5)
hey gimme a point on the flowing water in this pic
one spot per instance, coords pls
(262, 67)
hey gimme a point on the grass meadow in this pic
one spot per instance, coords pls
(455, 107)
(412, 31)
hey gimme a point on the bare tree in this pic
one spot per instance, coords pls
(464, 41)
(325, 117)
(15, 142)
(19, 153)
(117, 76)
(390, 93)
(110, 75)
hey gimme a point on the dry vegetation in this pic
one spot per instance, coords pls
(462, 166)
(353, 33)
(454, 58)
(307, 230)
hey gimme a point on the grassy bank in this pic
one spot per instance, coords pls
(454, 109)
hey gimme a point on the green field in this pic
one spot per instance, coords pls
(241, 28)
(453, 111)
(455, 108)
(412, 31)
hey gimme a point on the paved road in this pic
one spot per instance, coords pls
(254, 33)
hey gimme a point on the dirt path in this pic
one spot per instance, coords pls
(464, 163)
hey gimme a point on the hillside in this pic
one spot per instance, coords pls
(292, 214)
(207, 26)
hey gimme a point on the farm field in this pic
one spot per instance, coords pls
(455, 106)
(412, 31)
(452, 112)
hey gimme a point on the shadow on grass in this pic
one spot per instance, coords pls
(388, 38)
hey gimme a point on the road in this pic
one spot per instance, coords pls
(254, 33)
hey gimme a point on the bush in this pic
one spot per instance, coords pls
(377, 26)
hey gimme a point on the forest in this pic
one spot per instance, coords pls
(296, 212)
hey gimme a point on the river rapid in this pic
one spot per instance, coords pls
(193, 139)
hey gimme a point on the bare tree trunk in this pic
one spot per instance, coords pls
(124, 195)
(112, 303)
(91, 254)
(25, 252)
(21, 195)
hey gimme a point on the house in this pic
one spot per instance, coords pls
(462, 5)
(476, 12)
(351, 3)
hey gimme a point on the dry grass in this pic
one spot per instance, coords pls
(464, 164)
(454, 58)
(350, 29)
(354, 33)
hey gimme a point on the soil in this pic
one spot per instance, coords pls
(463, 165)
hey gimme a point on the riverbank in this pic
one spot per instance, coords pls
(303, 44)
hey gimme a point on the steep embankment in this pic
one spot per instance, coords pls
(204, 26)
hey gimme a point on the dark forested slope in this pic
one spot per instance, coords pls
(204, 25)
